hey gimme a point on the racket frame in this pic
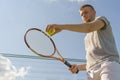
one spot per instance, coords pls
(40, 54)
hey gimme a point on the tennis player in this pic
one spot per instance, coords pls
(101, 52)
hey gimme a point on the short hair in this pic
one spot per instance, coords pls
(87, 5)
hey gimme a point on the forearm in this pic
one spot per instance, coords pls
(82, 67)
(84, 27)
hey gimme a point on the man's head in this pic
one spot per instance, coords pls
(87, 13)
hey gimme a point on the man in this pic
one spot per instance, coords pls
(101, 52)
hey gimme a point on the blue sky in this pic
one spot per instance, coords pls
(16, 16)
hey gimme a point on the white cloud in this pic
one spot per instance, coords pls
(9, 71)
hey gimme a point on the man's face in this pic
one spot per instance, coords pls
(87, 14)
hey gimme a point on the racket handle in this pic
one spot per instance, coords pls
(69, 65)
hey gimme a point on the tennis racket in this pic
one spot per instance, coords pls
(40, 43)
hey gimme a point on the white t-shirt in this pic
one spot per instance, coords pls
(100, 44)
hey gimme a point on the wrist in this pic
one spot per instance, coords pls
(81, 67)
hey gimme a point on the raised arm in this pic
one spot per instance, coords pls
(83, 27)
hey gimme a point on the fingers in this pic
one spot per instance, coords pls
(49, 27)
(74, 68)
(52, 29)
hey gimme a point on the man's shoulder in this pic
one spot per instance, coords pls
(103, 18)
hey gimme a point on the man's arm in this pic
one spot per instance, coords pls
(74, 68)
(82, 67)
(83, 27)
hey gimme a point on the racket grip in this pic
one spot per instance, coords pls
(69, 65)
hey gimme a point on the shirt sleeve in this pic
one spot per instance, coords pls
(103, 18)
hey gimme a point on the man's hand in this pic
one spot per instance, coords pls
(74, 68)
(52, 29)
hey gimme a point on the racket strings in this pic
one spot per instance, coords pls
(39, 42)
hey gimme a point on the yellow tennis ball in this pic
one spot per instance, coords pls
(51, 31)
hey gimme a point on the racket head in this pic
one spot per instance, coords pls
(39, 42)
